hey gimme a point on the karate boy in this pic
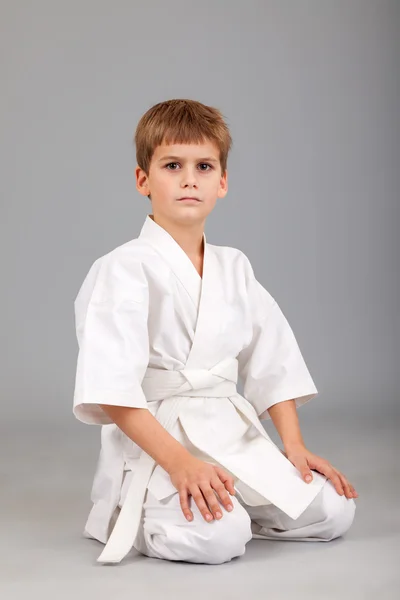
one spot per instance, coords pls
(166, 323)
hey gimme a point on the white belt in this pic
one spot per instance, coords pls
(173, 387)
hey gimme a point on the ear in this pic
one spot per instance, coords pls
(142, 181)
(223, 185)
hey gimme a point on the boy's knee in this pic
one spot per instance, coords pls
(227, 538)
(339, 511)
(212, 543)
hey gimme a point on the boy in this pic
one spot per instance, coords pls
(165, 325)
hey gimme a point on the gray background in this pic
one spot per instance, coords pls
(310, 91)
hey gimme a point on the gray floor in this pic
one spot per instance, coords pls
(45, 485)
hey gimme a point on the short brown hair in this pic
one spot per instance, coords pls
(181, 121)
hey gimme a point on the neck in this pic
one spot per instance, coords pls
(189, 237)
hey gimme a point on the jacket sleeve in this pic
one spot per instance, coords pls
(271, 366)
(111, 311)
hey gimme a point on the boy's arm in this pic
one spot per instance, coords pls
(144, 429)
(189, 475)
(272, 366)
(285, 419)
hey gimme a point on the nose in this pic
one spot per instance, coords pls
(189, 177)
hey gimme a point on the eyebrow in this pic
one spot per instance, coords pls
(209, 159)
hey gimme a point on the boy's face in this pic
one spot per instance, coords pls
(181, 170)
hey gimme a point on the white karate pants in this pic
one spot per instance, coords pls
(166, 534)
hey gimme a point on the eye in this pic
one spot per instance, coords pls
(170, 166)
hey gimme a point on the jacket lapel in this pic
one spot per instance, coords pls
(175, 256)
(204, 292)
(205, 349)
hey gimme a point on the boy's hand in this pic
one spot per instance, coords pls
(304, 460)
(199, 479)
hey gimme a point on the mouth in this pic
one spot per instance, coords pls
(188, 199)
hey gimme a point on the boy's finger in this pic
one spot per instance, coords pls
(222, 494)
(348, 489)
(227, 480)
(331, 474)
(212, 501)
(184, 500)
(230, 487)
(302, 466)
(198, 498)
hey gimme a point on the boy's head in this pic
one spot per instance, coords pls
(182, 150)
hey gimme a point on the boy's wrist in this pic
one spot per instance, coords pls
(175, 458)
(294, 445)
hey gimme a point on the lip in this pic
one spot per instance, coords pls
(188, 199)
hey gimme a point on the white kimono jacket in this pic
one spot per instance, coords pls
(153, 334)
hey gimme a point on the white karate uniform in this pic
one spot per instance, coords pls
(153, 334)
